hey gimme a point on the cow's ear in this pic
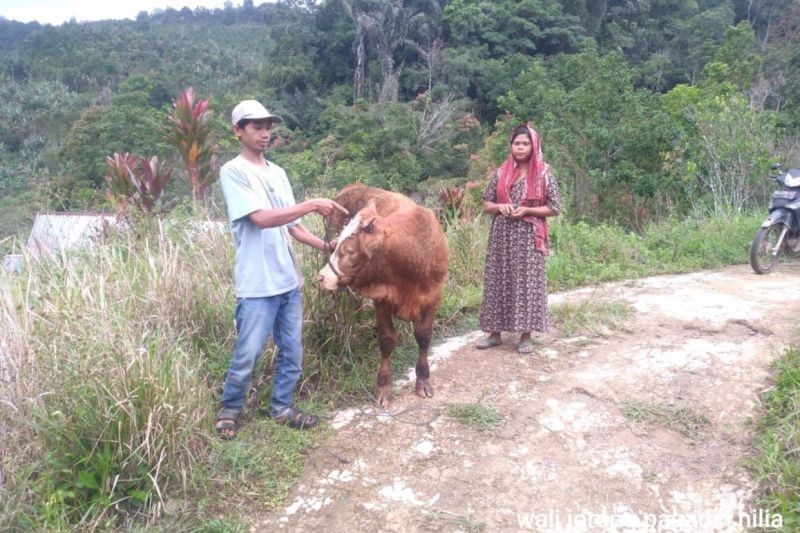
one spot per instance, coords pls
(368, 216)
(368, 222)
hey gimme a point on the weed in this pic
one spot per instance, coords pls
(475, 415)
(582, 253)
(591, 316)
(687, 421)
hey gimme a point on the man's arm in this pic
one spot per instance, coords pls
(272, 218)
(301, 234)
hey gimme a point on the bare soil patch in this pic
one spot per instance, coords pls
(605, 433)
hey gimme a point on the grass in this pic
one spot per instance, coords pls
(776, 461)
(582, 254)
(264, 462)
(687, 421)
(440, 520)
(598, 317)
(114, 358)
(475, 415)
(116, 355)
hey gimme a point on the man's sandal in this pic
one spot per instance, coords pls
(296, 419)
(226, 429)
(225, 423)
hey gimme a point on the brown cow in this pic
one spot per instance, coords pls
(394, 252)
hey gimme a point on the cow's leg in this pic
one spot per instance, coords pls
(423, 329)
(387, 338)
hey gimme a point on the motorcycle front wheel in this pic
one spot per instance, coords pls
(763, 254)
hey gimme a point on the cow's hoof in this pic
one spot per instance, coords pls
(383, 398)
(424, 389)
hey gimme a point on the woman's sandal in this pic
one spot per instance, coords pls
(488, 342)
(525, 347)
(296, 419)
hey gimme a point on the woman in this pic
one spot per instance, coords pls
(520, 196)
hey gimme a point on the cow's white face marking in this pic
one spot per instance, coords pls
(327, 277)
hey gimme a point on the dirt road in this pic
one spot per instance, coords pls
(643, 429)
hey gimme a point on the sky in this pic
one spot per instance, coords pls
(58, 11)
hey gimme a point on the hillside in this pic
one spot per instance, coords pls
(633, 100)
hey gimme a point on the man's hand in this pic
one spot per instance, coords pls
(329, 246)
(325, 207)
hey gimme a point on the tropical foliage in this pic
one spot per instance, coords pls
(645, 108)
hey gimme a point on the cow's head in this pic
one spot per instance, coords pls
(357, 245)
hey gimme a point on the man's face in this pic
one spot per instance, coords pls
(255, 135)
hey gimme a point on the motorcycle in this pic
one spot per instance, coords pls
(779, 234)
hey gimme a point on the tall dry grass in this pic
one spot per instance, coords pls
(109, 405)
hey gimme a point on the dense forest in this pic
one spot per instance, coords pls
(646, 108)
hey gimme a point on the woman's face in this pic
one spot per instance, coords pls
(521, 148)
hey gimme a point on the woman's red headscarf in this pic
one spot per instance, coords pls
(535, 194)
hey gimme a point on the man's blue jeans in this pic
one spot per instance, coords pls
(256, 318)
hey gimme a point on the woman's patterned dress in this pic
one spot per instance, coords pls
(515, 281)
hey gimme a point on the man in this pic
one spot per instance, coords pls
(263, 213)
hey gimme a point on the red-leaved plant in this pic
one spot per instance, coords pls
(135, 181)
(191, 134)
(452, 201)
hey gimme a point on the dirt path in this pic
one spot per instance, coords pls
(645, 427)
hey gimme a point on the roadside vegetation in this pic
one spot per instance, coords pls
(775, 461)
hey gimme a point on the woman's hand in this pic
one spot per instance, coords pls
(505, 209)
(518, 212)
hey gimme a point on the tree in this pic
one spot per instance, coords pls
(604, 137)
(698, 39)
(767, 17)
(385, 23)
(129, 124)
(734, 151)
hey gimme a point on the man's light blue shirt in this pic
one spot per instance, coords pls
(264, 265)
